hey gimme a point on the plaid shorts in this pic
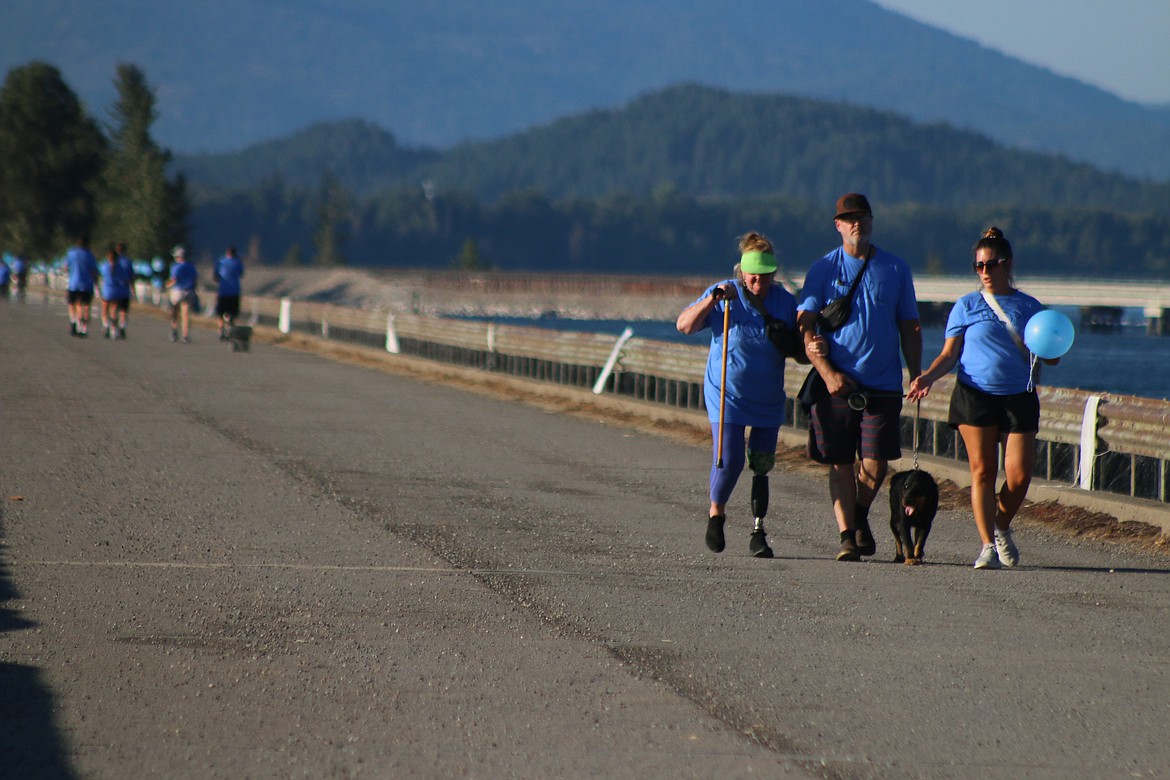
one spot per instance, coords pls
(838, 434)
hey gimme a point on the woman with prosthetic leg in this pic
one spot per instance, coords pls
(753, 329)
(761, 458)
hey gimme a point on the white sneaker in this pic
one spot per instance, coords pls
(988, 558)
(1005, 547)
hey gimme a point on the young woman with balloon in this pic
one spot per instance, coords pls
(995, 402)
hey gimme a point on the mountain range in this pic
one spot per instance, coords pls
(700, 141)
(681, 170)
(231, 73)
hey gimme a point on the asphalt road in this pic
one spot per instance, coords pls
(272, 564)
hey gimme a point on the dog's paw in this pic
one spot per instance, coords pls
(899, 558)
(913, 561)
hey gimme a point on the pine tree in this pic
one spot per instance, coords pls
(470, 259)
(50, 163)
(333, 218)
(140, 205)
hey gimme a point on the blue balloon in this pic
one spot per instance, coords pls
(1049, 334)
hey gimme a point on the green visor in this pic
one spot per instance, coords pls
(757, 263)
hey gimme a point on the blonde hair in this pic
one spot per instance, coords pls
(755, 242)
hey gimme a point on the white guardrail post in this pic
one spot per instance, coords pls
(391, 336)
(1089, 441)
(599, 385)
(284, 325)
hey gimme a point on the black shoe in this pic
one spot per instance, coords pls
(865, 542)
(758, 546)
(848, 551)
(714, 538)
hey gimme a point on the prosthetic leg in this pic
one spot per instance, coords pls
(761, 464)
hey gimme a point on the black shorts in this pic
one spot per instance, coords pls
(80, 296)
(227, 304)
(119, 304)
(837, 433)
(1018, 413)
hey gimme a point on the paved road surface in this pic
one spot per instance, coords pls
(276, 565)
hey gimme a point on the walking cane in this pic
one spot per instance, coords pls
(723, 378)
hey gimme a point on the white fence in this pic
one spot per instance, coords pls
(1097, 441)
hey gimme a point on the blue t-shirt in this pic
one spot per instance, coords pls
(116, 279)
(5, 274)
(867, 348)
(755, 367)
(228, 271)
(185, 276)
(990, 360)
(82, 267)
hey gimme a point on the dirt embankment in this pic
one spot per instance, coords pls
(490, 295)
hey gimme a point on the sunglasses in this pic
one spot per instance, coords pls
(979, 265)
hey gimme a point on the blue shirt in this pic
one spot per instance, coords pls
(990, 360)
(867, 348)
(228, 272)
(755, 367)
(82, 267)
(5, 274)
(185, 276)
(116, 279)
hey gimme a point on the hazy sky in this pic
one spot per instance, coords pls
(1120, 45)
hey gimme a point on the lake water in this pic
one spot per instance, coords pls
(1125, 362)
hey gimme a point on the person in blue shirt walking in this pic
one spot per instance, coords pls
(761, 334)
(228, 272)
(181, 294)
(117, 275)
(20, 271)
(81, 266)
(858, 411)
(994, 401)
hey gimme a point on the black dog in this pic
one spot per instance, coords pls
(913, 504)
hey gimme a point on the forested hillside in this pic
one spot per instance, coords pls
(702, 141)
(665, 233)
(362, 156)
(666, 183)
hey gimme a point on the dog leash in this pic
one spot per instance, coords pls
(917, 409)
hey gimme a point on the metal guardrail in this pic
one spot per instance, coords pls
(1104, 442)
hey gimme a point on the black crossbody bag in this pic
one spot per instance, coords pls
(831, 317)
(836, 313)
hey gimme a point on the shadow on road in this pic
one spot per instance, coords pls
(30, 742)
